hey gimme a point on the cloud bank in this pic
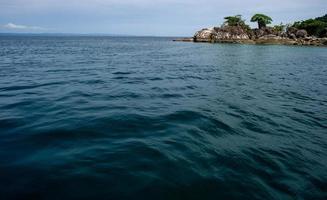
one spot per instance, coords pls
(12, 26)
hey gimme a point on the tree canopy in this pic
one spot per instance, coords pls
(236, 21)
(323, 18)
(316, 27)
(262, 20)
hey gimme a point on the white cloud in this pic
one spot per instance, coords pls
(12, 26)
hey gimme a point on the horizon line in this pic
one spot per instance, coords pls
(87, 34)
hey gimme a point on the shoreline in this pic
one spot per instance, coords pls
(312, 32)
(322, 42)
(261, 41)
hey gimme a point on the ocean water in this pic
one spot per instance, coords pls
(148, 118)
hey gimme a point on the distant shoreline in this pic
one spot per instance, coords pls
(311, 32)
(323, 42)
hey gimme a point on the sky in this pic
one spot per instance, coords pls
(144, 17)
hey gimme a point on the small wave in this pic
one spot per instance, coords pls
(25, 87)
(167, 96)
(155, 79)
(122, 73)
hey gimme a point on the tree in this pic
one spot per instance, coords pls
(262, 20)
(322, 19)
(316, 27)
(234, 20)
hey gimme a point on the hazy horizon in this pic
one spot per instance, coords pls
(142, 17)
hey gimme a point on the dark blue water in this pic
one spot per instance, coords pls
(147, 118)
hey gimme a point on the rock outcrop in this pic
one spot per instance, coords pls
(230, 33)
(266, 35)
(226, 33)
(205, 35)
(301, 34)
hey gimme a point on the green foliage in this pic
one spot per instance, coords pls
(314, 27)
(262, 20)
(279, 28)
(236, 21)
(322, 19)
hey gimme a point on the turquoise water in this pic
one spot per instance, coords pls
(148, 118)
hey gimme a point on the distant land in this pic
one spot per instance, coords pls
(234, 30)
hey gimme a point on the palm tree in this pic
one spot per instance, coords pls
(262, 20)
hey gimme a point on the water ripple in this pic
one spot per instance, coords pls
(147, 118)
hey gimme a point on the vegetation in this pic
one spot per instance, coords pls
(316, 27)
(280, 28)
(323, 18)
(236, 21)
(262, 20)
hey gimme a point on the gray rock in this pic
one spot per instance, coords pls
(205, 35)
(284, 35)
(224, 33)
(291, 30)
(231, 33)
(258, 32)
(301, 33)
(238, 34)
(292, 36)
(309, 38)
(266, 31)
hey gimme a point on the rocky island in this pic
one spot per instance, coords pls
(235, 30)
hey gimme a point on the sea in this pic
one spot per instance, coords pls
(99, 117)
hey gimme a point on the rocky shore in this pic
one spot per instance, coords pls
(311, 32)
(236, 34)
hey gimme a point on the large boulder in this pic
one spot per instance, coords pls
(284, 34)
(270, 31)
(258, 32)
(205, 35)
(291, 31)
(266, 31)
(301, 33)
(292, 36)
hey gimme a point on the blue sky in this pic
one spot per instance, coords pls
(143, 17)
